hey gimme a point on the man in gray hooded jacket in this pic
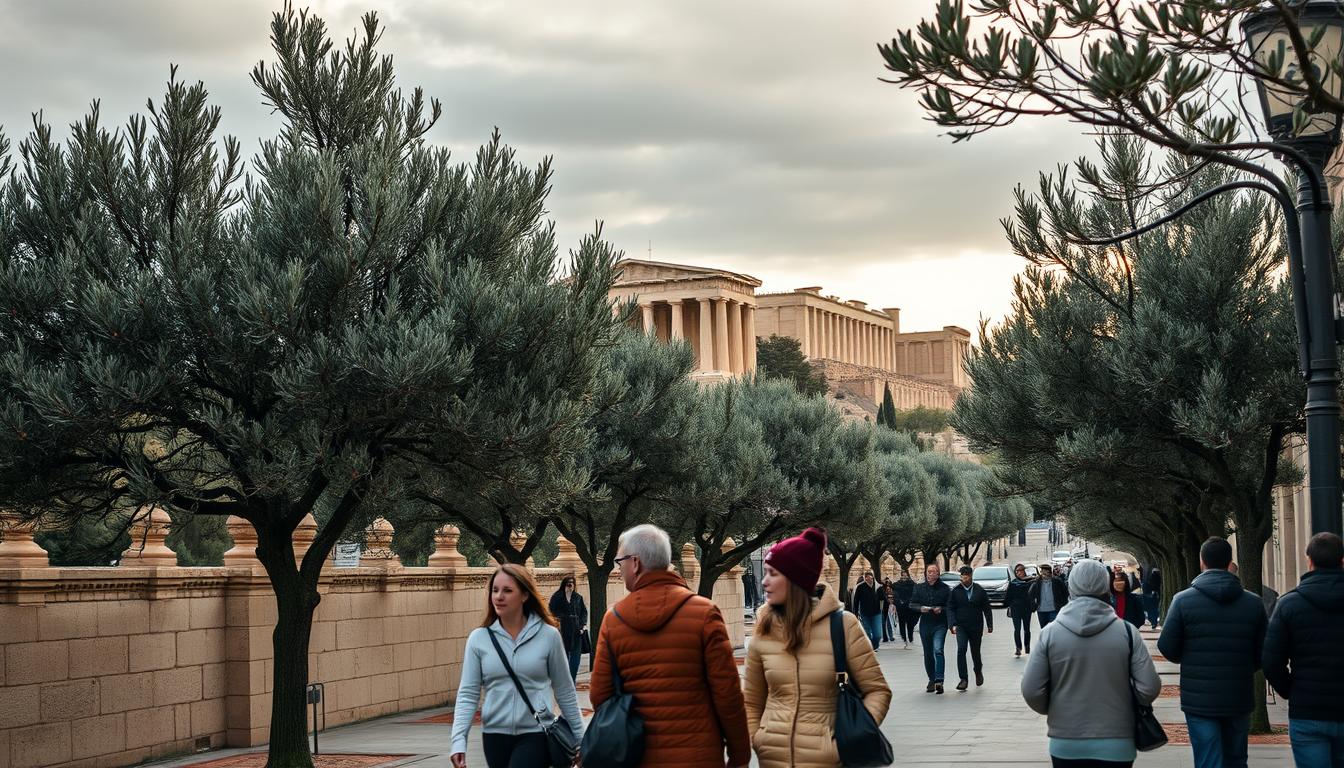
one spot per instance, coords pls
(1079, 675)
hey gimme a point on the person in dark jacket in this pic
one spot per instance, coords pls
(969, 615)
(884, 592)
(1124, 601)
(929, 602)
(1152, 595)
(567, 606)
(905, 618)
(868, 605)
(1216, 631)
(749, 591)
(1304, 655)
(1017, 599)
(1048, 595)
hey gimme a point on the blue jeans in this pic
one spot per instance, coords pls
(872, 626)
(1150, 606)
(1317, 743)
(575, 656)
(933, 636)
(1046, 617)
(1218, 742)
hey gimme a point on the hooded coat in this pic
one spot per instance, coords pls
(674, 655)
(1306, 632)
(1078, 675)
(1216, 631)
(791, 698)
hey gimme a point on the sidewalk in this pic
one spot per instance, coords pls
(987, 727)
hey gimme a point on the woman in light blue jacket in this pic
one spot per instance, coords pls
(524, 631)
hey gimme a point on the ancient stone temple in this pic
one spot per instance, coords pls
(862, 351)
(713, 309)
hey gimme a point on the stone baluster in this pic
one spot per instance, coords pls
(568, 557)
(244, 549)
(304, 534)
(378, 546)
(18, 550)
(728, 546)
(518, 540)
(150, 532)
(445, 549)
(690, 568)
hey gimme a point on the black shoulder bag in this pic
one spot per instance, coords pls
(1148, 733)
(615, 735)
(858, 740)
(560, 740)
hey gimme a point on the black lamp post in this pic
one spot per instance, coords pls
(1308, 139)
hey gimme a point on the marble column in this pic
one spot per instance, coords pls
(804, 332)
(749, 335)
(647, 312)
(736, 348)
(678, 322)
(721, 335)
(706, 336)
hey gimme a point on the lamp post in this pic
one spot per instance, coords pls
(1308, 143)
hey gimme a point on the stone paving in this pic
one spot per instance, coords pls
(986, 727)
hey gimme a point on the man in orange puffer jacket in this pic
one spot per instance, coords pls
(674, 655)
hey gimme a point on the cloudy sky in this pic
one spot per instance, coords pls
(749, 135)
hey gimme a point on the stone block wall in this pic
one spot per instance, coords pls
(107, 667)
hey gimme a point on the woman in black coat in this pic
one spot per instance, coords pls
(1018, 601)
(1126, 604)
(567, 606)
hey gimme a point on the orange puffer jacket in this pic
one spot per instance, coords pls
(674, 655)
(791, 697)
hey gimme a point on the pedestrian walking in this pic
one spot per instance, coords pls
(1152, 595)
(1124, 601)
(1048, 595)
(517, 638)
(790, 672)
(568, 608)
(1080, 677)
(1304, 656)
(888, 631)
(749, 592)
(906, 619)
(868, 605)
(929, 601)
(1017, 599)
(671, 648)
(1216, 631)
(1130, 578)
(970, 617)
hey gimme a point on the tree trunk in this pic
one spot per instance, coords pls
(289, 711)
(1251, 537)
(597, 599)
(711, 568)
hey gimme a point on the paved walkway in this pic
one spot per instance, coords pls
(987, 727)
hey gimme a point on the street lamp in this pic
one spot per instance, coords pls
(1305, 138)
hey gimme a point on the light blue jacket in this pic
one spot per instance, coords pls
(538, 658)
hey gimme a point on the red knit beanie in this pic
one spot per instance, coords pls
(799, 558)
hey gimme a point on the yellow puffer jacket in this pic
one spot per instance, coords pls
(791, 699)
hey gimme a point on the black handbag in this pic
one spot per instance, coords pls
(560, 740)
(858, 740)
(1148, 733)
(585, 645)
(615, 735)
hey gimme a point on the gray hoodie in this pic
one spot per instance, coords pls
(539, 660)
(1078, 676)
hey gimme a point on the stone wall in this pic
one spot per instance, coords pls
(868, 383)
(114, 666)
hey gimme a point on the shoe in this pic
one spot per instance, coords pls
(1019, 652)
(929, 689)
(938, 688)
(979, 679)
(963, 685)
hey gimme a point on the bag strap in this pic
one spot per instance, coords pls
(838, 647)
(1129, 672)
(509, 668)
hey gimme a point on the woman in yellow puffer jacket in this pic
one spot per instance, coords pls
(790, 686)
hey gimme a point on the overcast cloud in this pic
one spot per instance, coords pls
(752, 136)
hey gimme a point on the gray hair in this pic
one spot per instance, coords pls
(650, 544)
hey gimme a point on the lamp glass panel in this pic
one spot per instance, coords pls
(1279, 101)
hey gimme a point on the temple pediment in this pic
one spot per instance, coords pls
(635, 271)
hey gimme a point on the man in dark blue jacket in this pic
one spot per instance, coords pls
(1306, 632)
(969, 615)
(1216, 631)
(929, 600)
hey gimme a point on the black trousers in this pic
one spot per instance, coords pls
(526, 750)
(969, 636)
(886, 625)
(1059, 762)
(1022, 632)
(907, 619)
